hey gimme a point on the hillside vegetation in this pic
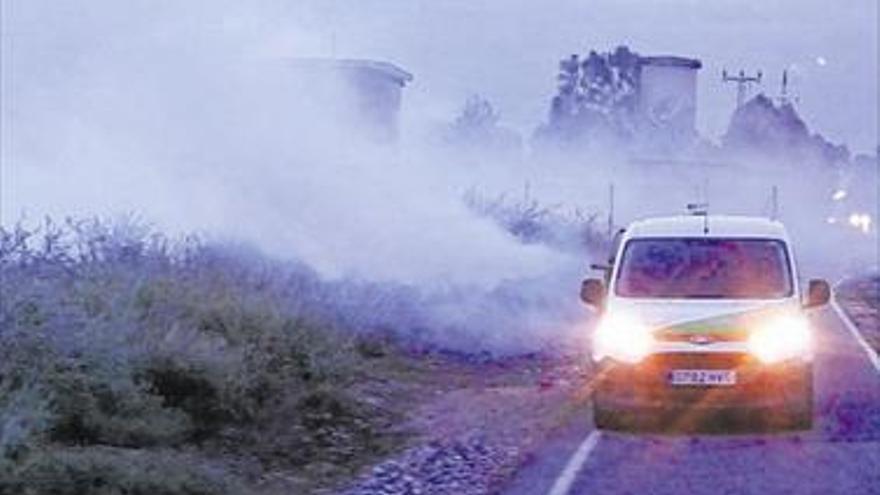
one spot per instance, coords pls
(131, 363)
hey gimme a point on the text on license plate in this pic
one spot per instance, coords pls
(702, 377)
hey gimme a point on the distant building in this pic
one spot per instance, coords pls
(363, 96)
(621, 100)
(667, 92)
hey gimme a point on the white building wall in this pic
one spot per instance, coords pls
(668, 96)
(361, 97)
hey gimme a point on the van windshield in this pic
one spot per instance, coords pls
(703, 268)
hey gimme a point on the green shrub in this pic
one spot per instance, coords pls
(321, 426)
(112, 339)
(193, 389)
(114, 471)
(85, 399)
(98, 403)
(24, 416)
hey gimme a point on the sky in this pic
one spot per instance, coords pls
(504, 50)
(508, 51)
(180, 111)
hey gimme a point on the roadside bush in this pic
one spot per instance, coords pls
(191, 389)
(82, 400)
(96, 402)
(531, 222)
(115, 341)
(113, 471)
(24, 410)
(321, 426)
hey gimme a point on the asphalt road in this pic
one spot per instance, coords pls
(841, 455)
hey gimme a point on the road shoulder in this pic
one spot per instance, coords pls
(859, 300)
(473, 435)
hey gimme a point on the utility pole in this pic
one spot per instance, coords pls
(784, 97)
(774, 207)
(610, 210)
(742, 84)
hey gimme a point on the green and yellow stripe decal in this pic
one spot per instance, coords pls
(730, 326)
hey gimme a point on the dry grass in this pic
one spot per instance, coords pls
(118, 346)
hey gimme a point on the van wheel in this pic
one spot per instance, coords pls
(802, 417)
(614, 419)
(604, 418)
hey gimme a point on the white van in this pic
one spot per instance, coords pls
(702, 314)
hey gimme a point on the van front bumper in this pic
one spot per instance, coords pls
(647, 386)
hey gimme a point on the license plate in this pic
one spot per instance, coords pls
(703, 377)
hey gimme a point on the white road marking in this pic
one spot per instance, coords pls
(872, 354)
(566, 478)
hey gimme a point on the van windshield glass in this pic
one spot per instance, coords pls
(704, 268)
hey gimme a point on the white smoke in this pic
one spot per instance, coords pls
(191, 116)
(196, 122)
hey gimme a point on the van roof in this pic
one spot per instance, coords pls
(719, 226)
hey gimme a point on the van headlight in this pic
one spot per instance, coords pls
(622, 338)
(781, 338)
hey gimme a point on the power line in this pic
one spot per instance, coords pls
(742, 84)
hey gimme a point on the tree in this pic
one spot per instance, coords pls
(477, 118)
(762, 127)
(476, 128)
(596, 99)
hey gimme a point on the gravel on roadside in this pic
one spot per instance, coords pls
(474, 437)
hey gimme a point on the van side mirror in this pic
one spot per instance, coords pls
(593, 292)
(818, 294)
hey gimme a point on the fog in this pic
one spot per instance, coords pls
(509, 50)
(196, 137)
(187, 116)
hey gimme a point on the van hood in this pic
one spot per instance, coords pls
(681, 319)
